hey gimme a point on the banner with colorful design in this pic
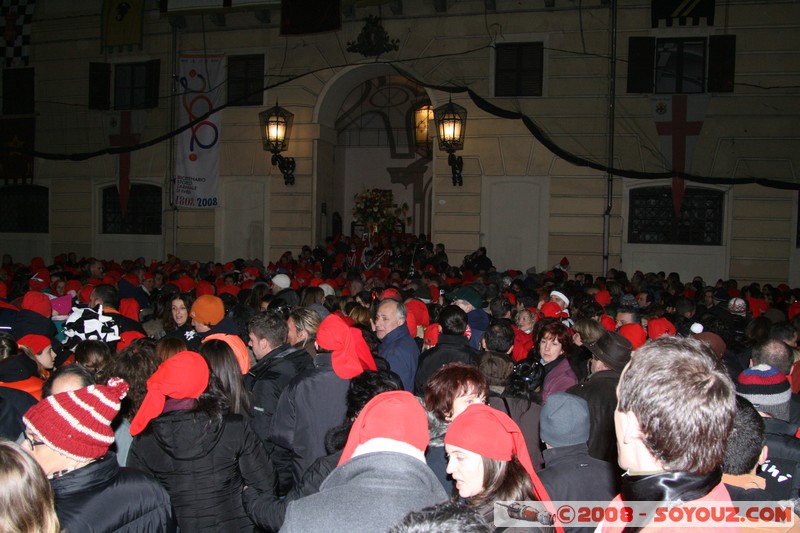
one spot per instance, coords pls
(202, 80)
(17, 16)
(123, 22)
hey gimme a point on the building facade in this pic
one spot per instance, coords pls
(579, 115)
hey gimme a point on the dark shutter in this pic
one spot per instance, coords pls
(641, 64)
(99, 86)
(153, 73)
(18, 91)
(721, 63)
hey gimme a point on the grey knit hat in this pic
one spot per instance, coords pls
(564, 420)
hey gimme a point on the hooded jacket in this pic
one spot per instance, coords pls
(204, 464)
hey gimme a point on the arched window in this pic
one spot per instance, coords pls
(651, 219)
(24, 209)
(144, 211)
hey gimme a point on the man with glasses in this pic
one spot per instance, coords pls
(69, 435)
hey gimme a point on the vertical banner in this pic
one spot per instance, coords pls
(16, 17)
(125, 130)
(123, 22)
(202, 79)
(679, 120)
(16, 134)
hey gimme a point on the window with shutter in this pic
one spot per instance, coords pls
(681, 66)
(519, 69)
(18, 91)
(246, 80)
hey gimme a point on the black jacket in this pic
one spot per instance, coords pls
(268, 511)
(204, 465)
(600, 392)
(102, 497)
(449, 349)
(226, 325)
(13, 404)
(309, 406)
(570, 474)
(266, 380)
(782, 467)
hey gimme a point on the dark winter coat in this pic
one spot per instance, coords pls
(312, 403)
(570, 474)
(268, 511)
(782, 467)
(102, 497)
(13, 404)
(600, 392)
(449, 349)
(368, 493)
(204, 464)
(402, 354)
(266, 380)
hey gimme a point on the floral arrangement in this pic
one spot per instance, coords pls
(375, 208)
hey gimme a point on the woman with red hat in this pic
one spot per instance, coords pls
(186, 437)
(489, 461)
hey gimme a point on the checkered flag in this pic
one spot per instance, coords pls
(17, 16)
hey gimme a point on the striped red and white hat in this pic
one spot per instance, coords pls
(77, 424)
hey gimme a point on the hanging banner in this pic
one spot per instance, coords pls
(202, 79)
(17, 16)
(123, 22)
(679, 120)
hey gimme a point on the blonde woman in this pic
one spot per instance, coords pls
(26, 497)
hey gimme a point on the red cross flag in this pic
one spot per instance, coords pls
(125, 129)
(679, 119)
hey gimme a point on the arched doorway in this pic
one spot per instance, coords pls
(367, 141)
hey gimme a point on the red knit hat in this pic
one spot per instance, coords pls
(603, 298)
(233, 290)
(431, 337)
(634, 333)
(391, 294)
(609, 323)
(126, 338)
(351, 355)
(203, 287)
(77, 424)
(491, 433)
(129, 307)
(657, 327)
(37, 343)
(184, 375)
(37, 302)
(208, 309)
(237, 346)
(40, 280)
(420, 311)
(396, 415)
(551, 310)
(73, 285)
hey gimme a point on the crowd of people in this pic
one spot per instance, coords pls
(371, 385)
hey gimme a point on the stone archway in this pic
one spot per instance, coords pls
(366, 118)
